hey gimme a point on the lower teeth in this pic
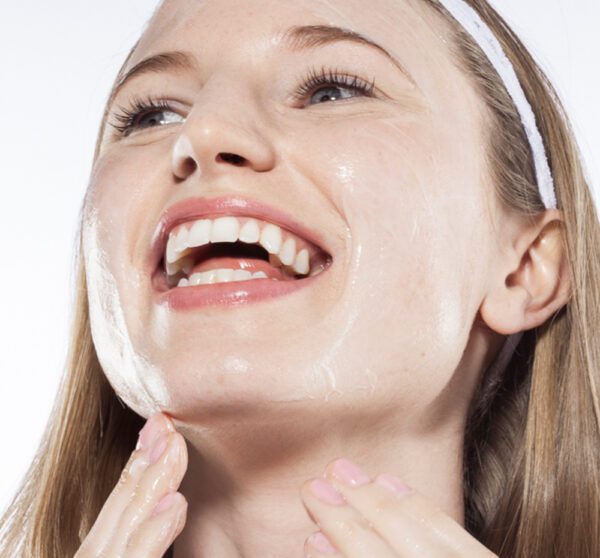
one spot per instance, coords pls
(226, 275)
(220, 276)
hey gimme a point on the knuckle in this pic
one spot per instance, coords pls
(387, 505)
(131, 544)
(124, 479)
(351, 527)
(390, 505)
(433, 516)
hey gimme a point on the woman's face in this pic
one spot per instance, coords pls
(394, 183)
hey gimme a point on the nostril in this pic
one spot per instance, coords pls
(232, 158)
(189, 166)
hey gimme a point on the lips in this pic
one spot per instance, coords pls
(198, 207)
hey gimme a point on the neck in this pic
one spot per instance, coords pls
(244, 475)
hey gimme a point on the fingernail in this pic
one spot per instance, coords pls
(321, 543)
(152, 430)
(392, 483)
(326, 492)
(158, 448)
(349, 473)
(164, 504)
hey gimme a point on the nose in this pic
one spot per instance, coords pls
(210, 143)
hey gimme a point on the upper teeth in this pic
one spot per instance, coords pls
(283, 247)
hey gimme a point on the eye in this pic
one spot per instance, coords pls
(336, 83)
(147, 113)
(154, 118)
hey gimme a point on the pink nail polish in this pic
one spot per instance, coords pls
(349, 473)
(321, 543)
(149, 433)
(155, 425)
(326, 493)
(166, 502)
(158, 448)
(392, 483)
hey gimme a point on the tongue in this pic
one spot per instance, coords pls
(249, 264)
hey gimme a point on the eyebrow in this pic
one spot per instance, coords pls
(174, 61)
(310, 36)
(296, 38)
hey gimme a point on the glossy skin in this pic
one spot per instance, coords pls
(358, 517)
(377, 364)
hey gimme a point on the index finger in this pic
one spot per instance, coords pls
(403, 516)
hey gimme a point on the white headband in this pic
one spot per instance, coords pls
(483, 36)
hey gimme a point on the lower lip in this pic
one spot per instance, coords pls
(232, 293)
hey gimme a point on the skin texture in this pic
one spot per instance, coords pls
(379, 362)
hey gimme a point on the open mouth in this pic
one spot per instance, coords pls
(235, 249)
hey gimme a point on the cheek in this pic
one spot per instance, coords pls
(407, 313)
(111, 279)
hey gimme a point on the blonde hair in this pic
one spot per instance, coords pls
(532, 442)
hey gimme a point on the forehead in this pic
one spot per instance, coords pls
(251, 29)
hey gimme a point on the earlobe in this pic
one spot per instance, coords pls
(529, 295)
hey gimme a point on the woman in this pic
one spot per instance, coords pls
(417, 373)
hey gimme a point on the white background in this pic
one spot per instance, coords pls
(57, 61)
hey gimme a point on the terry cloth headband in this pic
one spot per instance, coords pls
(469, 19)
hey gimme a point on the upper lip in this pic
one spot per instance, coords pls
(198, 207)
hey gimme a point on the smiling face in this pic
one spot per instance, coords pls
(393, 181)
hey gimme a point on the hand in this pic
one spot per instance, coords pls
(359, 518)
(144, 514)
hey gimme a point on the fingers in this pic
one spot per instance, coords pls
(408, 522)
(111, 512)
(344, 526)
(162, 475)
(156, 534)
(128, 525)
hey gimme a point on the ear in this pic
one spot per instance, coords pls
(532, 279)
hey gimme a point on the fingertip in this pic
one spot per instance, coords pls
(180, 501)
(166, 503)
(320, 543)
(182, 504)
(168, 420)
(182, 446)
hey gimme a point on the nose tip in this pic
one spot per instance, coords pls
(184, 160)
(211, 146)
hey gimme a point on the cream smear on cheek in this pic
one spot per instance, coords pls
(134, 378)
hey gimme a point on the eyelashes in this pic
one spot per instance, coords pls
(326, 76)
(128, 119)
